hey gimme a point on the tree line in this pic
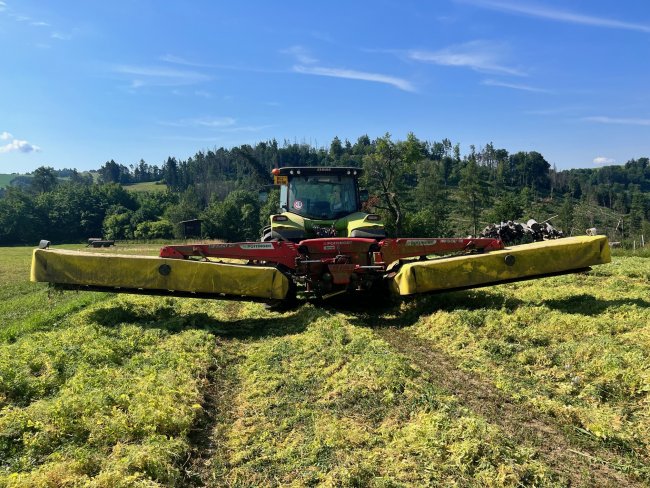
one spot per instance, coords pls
(425, 188)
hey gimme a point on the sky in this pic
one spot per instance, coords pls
(83, 82)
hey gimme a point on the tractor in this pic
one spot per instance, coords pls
(321, 202)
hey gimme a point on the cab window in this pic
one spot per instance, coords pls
(322, 196)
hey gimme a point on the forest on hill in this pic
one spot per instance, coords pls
(421, 188)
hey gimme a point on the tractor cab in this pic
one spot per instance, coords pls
(321, 202)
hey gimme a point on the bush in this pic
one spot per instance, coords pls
(161, 229)
(236, 218)
(117, 224)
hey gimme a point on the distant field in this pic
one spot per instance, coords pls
(541, 383)
(5, 179)
(149, 186)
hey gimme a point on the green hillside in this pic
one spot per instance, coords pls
(5, 179)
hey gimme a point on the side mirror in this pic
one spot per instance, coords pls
(263, 195)
(363, 195)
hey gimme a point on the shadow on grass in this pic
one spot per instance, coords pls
(168, 318)
(584, 304)
(382, 312)
(376, 311)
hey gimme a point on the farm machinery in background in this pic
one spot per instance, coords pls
(320, 244)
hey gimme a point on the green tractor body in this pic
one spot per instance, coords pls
(321, 202)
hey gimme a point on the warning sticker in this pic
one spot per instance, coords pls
(280, 180)
(297, 204)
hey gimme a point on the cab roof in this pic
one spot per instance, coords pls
(319, 170)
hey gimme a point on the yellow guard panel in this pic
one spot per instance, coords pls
(144, 272)
(539, 258)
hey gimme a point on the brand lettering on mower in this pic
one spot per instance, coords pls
(261, 245)
(421, 242)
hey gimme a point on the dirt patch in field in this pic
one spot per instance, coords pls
(576, 463)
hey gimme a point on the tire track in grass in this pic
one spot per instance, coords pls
(208, 458)
(204, 437)
(579, 465)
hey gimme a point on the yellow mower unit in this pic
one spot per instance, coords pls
(514, 263)
(155, 275)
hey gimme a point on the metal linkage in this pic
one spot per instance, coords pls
(392, 250)
(321, 263)
(281, 252)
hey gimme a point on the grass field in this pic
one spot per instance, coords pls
(5, 179)
(541, 383)
(148, 186)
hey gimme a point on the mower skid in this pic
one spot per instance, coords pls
(511, 264)
(154, 274)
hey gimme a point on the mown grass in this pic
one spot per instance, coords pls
(335, 406)
(87, 398)
(575, 347)
(105, 390)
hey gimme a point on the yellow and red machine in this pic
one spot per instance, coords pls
(348, 253)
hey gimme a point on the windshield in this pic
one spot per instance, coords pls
(322, 197)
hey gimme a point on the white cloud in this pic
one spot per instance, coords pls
(301, 54)
(558, 15)
(5, 136)
(215, 128)
(247, 128)
(514, 86)
(159, 76)
(484, 56)
(209, 122)
(40, 24)
(614, 120)
(400, 83)
(19, 146)
(60, 37)
(196, 93)
(602, 160)
(214, 122)
(170, 58)
(554, 111)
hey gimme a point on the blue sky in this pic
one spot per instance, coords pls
(82, 82)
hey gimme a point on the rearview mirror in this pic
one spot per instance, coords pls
(363, 195)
